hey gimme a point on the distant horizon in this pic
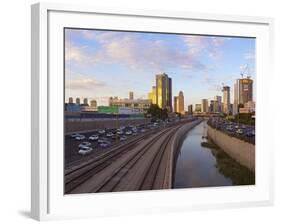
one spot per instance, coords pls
(103, 64)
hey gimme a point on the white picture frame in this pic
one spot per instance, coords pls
(48, 201)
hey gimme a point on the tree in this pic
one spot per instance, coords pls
(157, 113)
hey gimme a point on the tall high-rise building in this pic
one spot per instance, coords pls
(176, 104)
(164, 91)
(85, 101)
(190, 109)
(131, 95)
(212, 106)
(243, 91)
(170, 94)
(70, 100)
(218, 104)
(77, 100)
(181, 102)
(93, 103)
(152, 95)
(205, 106)
(226, 99)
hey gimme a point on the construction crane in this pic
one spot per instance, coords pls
(245, 70)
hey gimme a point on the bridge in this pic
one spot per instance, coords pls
(145, 163)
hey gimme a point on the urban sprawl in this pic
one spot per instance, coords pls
(160, 98)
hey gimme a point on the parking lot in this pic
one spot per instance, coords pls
(241, 131)
(82, 145)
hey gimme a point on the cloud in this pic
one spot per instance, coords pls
(199, 45)
(72, 52)
(83, 84)
(249, 56)
(132, 50)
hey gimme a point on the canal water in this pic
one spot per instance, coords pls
(196, 166)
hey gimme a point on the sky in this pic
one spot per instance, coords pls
(100, 63)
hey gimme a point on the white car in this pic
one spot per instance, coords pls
(84, 144)
(80, 137)
(239, 131)
(123, 138)
(101, 132)
(84, 151)
(119, 132)
(105, 144)
(109, 134)
(74, 135)
(128, 132)
(94, 137)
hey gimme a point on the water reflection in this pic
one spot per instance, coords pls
(196, 165)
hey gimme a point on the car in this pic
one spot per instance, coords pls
(119, 132)
(83, 144)
(123, 138)
(250, 133)
(135, 133)
(74, 135)
(128, 132)
(135, 130)
(101, 140)
(86, 150)
(114, 137)
(105, 144)
(109, 134)
(94, 137)
(143, 130)
(101, 132)
(80, 137)
(239, 131)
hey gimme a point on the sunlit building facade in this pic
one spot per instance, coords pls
(226, 99)
(164, 91)
(243, 91)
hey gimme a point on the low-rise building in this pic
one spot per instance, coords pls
(141, 104)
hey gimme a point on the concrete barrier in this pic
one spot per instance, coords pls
(242, 152)
(176, 141)
(90, 125)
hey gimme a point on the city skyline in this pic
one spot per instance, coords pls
(198, 65)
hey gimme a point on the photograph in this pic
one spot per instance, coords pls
(154, 110)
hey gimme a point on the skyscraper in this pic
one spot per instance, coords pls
(226, 99)
(93, 103)
(131, 95)
(243, 91)
(85, 101)
(190, 109)
(77, 100)
(70, 100)
(152, 95)
(205, 106)
(176, 104)
(181, 102)
(164, 91)
(218, 104)
(212, 106)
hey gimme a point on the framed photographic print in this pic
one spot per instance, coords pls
(148, 111)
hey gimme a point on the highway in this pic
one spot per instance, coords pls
(139, 164)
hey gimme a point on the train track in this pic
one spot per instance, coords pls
(120, 167)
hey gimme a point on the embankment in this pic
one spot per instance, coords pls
(242, 152)
(175, 143)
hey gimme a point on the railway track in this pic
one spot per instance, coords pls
(120, 168)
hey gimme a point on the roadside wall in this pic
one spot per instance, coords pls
(175, 143)
(242, 152)
(86, 125)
